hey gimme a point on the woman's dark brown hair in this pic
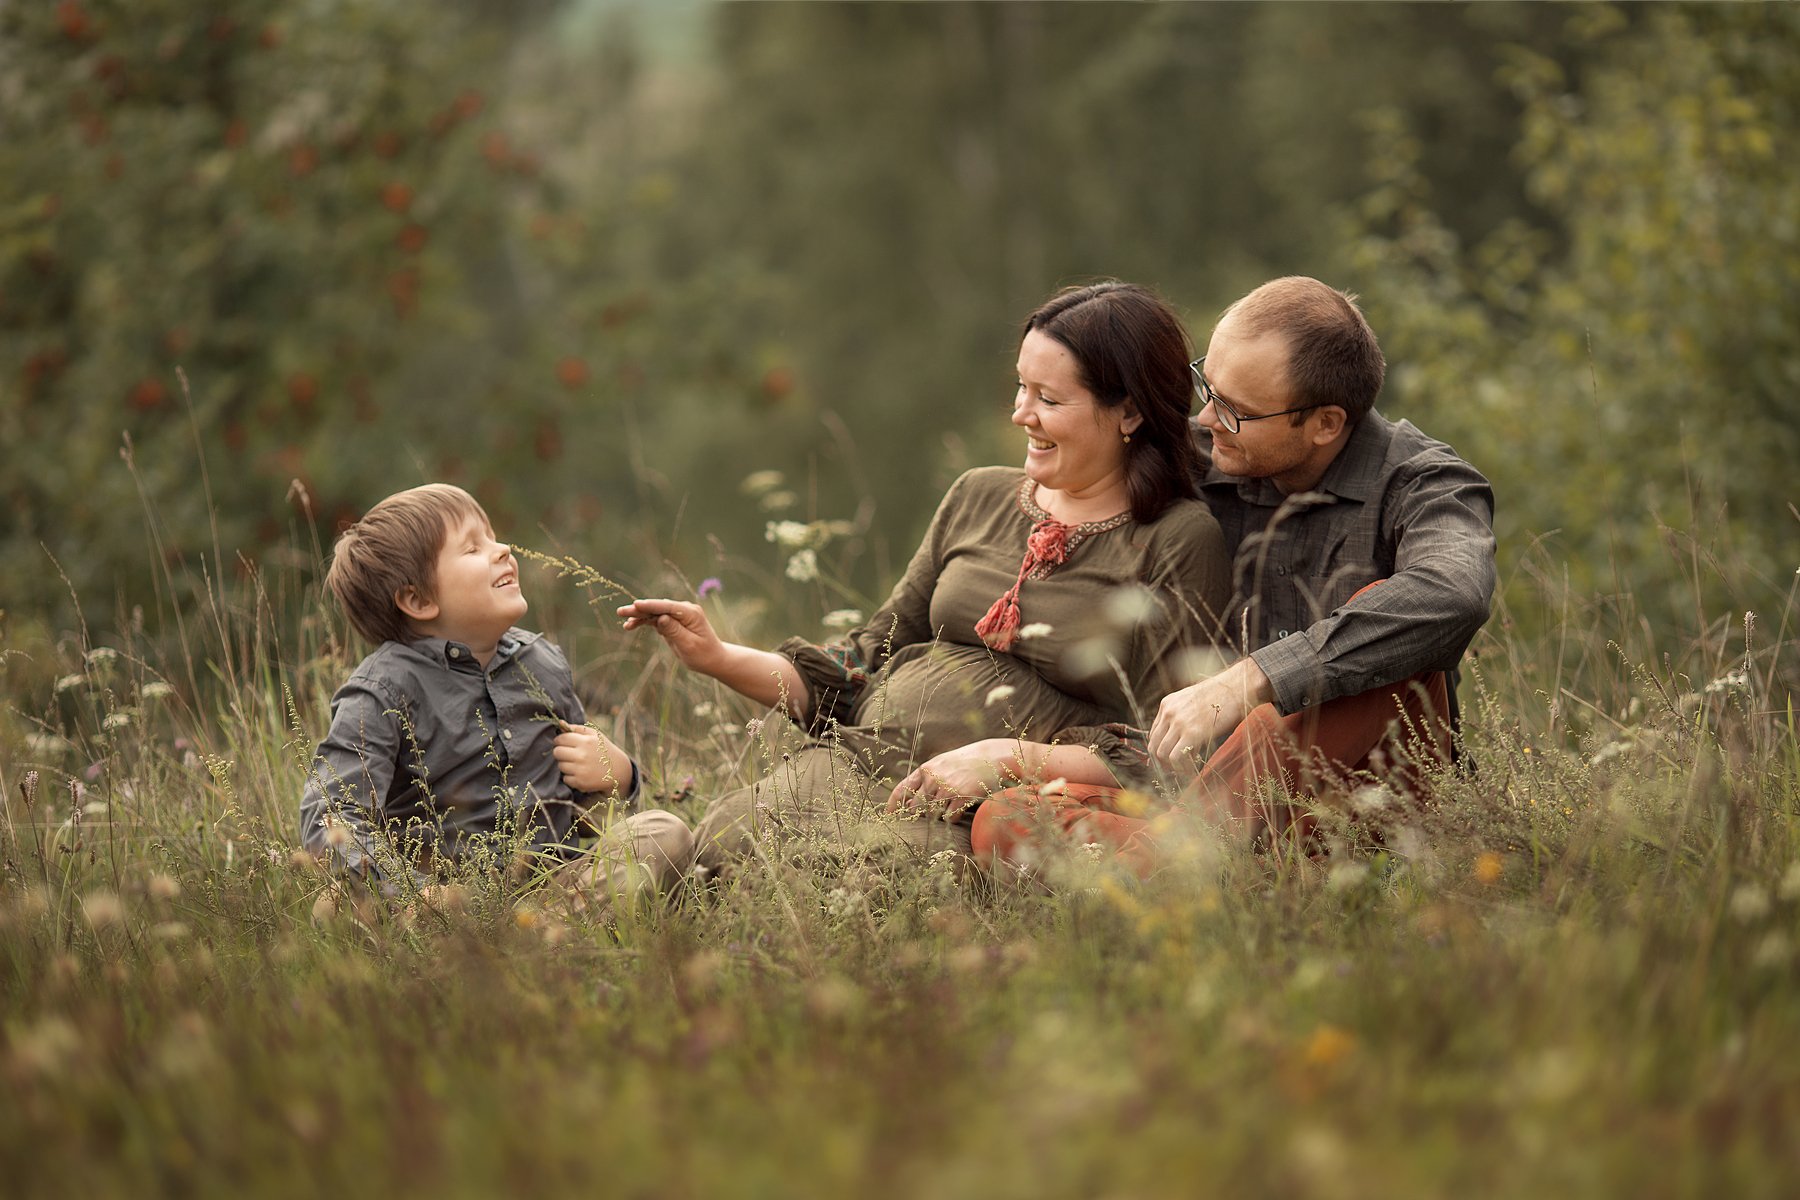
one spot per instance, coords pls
(1129, 345)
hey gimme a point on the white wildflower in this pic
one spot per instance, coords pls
(47, 744)
(156, 689)
(1094, 851)
(116, 721)
(101, 654)
(803, 567)
(1749, 903)
(776, 501)
(1346, 876)
(787, 534)
(704, 709)
(1036, 629)
(1731, 681)
(756, 483)
(842, 901)
(843, 618)
(1054, 787)
(1001, 692)
(1130, 606)
(69, 683)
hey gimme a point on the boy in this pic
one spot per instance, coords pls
(461, 736)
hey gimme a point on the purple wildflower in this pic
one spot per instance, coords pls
(708, 586)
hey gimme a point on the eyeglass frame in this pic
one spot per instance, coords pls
(1229, 416)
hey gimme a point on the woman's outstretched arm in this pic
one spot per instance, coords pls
(762, 675)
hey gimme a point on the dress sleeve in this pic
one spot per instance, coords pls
(1124, 749)
(349, 779)
(1188, 578)
(1421, 617)
(836, 672)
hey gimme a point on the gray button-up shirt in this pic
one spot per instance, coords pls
(430, 754)
(1394, 505)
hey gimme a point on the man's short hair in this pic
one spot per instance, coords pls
(395, 546)
(1333, 357)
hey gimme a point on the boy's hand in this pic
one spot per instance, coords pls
(683, 625)
(589, 761)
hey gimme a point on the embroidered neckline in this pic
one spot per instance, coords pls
(1078, 534)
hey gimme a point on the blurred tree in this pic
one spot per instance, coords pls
(293, 203)
(1637, 374)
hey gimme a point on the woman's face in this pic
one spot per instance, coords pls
(1073, 443)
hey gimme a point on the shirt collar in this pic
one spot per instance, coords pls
(1355, 474)
(457, 654)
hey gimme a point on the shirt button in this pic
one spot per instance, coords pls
(507, 734)
(455, 652)
(1281, 570)
(1281, 633)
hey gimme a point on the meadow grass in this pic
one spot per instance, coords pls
(1574, 973)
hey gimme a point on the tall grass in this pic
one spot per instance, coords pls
(1575, 973)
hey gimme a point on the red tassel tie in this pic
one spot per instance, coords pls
(1046, 549)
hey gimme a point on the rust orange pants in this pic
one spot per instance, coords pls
(1389, 733)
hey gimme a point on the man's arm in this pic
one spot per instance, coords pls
(1421, 616)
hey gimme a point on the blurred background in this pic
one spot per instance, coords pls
(262, 263)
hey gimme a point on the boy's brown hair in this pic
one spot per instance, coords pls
(395, 546)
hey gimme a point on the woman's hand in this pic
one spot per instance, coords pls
(589, 761)
(958, 779)
(683, 625)
(765, 677)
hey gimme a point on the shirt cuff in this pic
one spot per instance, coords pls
(1296, 672)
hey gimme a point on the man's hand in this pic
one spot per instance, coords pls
(683, 625)
(1190, 722)
(957, 779)
(589, 761)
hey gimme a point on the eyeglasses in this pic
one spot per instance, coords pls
(1230, 417)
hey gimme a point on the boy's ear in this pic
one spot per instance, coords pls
(414, 604)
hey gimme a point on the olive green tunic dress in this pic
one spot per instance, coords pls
(1100, 646)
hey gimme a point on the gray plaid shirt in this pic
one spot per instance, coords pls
(430, 754)
(1394, 505)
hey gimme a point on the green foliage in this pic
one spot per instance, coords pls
(1626, 374)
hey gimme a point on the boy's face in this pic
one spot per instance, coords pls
(477, 597)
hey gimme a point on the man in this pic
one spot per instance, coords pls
(1363, 566)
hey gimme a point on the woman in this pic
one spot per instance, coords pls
(1040, 620)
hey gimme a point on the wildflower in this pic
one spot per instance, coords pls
(753, 726)
(102, 909)
(1489, 866)
(47, 744)
(100, 655)
(337, 835)
(803, 567)
(163, 887)
(116, 721)
(1094, 851)
(156, 689)
(1036, 629)
(1347, 876)
(704, 709)
(776, 501)
(69, 683)
(708, 586)
(1130, 605)
(1002, 692)
(757, 483)
(1054, 787)
(1327, 1046)
(843, 618)
(1731, 681)
(1749, 903)
(93, 771)
(789, 535)
(842, 901)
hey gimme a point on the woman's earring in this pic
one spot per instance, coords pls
(1128, 439)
